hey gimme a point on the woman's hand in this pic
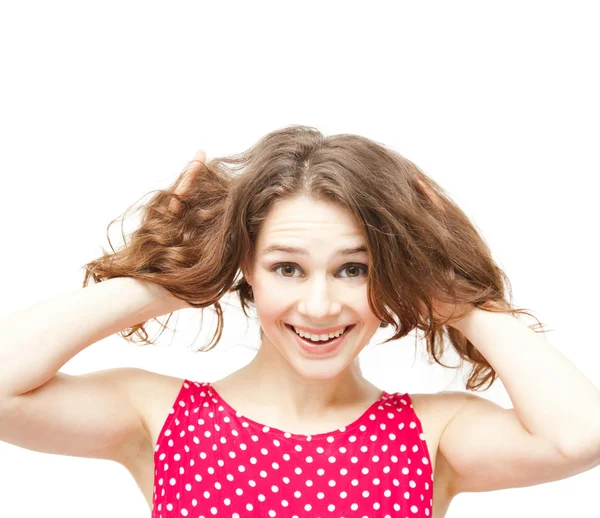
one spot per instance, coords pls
(442, 310)
(454, 312)
(191, 171)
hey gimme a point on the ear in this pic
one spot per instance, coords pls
(247, 275)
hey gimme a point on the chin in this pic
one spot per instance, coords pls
(321, 370)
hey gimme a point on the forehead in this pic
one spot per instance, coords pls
(310, 220)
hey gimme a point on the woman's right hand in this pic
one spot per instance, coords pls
(191, 171)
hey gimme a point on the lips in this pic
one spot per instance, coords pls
(317, 342)
(320, 347)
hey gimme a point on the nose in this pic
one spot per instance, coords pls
(318, 303)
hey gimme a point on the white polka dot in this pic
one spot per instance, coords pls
(380, 462)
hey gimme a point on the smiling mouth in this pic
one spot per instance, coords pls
(317, 343)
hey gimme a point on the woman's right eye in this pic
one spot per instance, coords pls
(285, 266)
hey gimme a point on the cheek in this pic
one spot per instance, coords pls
(369, 318)
(268, 305)
(361, 305)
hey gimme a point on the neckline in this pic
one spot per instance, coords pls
(289, 435)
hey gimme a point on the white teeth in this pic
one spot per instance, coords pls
(318, 338)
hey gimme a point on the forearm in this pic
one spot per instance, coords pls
(37, 341)
(551, 397)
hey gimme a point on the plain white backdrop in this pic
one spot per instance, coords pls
(103, 102)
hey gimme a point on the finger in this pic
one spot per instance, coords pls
(190, 172)
(193, 166)
(200, 156)
(425, 190)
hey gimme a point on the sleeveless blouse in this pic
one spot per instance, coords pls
(211, 461)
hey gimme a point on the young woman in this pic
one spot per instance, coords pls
(329, 239)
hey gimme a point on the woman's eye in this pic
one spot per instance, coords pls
(355, 268)
(284, 267)
(352, 269)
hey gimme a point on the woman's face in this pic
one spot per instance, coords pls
(312, 287)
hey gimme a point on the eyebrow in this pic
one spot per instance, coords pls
(275, 247)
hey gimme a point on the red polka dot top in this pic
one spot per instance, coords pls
(211, 461)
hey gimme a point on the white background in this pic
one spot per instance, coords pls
(103, 102)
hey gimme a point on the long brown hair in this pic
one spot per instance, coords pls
(420, 249)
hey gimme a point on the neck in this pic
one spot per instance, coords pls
(270, 379)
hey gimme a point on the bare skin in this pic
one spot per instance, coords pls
(433, 413)
(48, 411)
(433, 410)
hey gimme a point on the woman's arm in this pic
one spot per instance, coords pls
(37, 341)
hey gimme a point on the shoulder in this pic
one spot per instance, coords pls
(436, 410)
(152, 396)
(440, 408)
(145, 387)
(447, 402)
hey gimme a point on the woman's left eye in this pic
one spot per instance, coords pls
(346, 267)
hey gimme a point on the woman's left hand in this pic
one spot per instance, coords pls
(454, 312)
(443, 310)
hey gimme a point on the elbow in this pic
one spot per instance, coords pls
(584, 450)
